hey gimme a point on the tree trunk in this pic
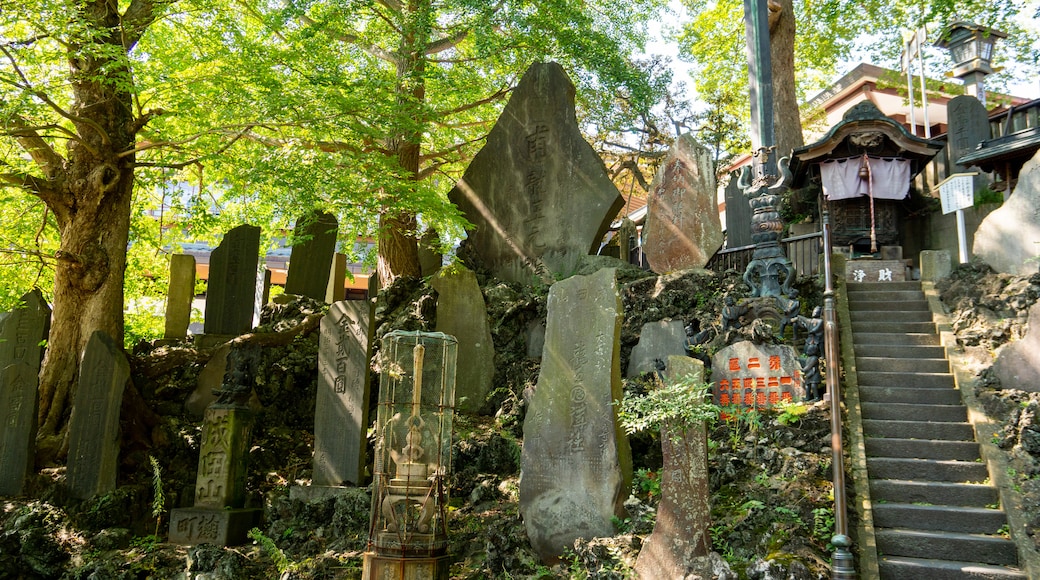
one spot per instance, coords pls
(787, 121)
(398, 236)
(92, 209)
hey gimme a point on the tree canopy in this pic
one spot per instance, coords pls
(257, 112)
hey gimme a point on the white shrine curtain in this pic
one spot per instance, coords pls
(889, 178)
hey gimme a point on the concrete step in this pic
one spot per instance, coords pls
(900, 351)
(922, 449)
(927, 470)
(995, 550)
(923, 315)
(895, 305)
(918, 430)
(933, 492)
(904, 394)
(969, 520)
(906, 380)
(859, 296)
(854, 287)
(914, 412)
(894, 339)
(903, 568)
(893, 326)
(902, 365)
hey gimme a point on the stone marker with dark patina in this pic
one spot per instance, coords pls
(576, 464)
(657, 341)
(94, 425)
(537, 193)
(219, 516)
(314, 243)
(231, 289)
(461, 313)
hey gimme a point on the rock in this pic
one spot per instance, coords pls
(1007, 238)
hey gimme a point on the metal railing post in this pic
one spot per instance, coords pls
(842, 567)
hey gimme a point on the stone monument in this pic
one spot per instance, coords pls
(342, 402)
(22, 331)
(576, 464)
(680, 542)
(967, 126)
(1009, 238)
(337, 289)
(231, 290)
(738, 215)
(94, 425)
(314, 243)
(657, 341)
(682, 222)
(179, 296)
(537, 193)
(219, 516)
(461, 313)
(756, 375)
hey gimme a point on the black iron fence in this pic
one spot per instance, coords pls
(804, 252)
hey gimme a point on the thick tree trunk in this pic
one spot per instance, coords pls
(787, 121)
(398, 238)
(93, 215)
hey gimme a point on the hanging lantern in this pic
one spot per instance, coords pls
(408, 536)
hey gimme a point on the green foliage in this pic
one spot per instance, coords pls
(791, 412)
(281, 561)
(158, 496)
(647, 483)
(682, 403)
(823, 524)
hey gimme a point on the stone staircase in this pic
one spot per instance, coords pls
(936, 515)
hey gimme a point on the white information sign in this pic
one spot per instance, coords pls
(957, 192)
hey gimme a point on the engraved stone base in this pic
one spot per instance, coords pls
(220, 527)
(309, 493)
(376, 567)
(875, 271)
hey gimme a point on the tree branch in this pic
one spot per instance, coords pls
(51, 164)
(349, 38)
(137, 18)
(474, 104)
(447, 42)
(27, 86)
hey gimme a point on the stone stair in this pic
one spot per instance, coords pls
(936, 515)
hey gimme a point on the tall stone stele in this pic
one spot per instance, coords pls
(342, 402)
(22, 332)
(462, 313)
(179, 296)
(219, 516)
(231, 289)
(94, 425)
(682, 221)
(1009, 238)
(680, 542)
(576, 464)
(537, 193)
(314, 244)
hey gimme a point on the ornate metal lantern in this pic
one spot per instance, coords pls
(408, 536)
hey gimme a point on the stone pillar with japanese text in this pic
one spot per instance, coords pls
(576, 463)
(342, 401)
(23, 331)
(219, 515)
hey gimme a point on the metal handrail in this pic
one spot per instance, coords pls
(842, 567)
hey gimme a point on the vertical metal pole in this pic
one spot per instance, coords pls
(760, 73)
(920, 35)
(962, 237)
(842, 567)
